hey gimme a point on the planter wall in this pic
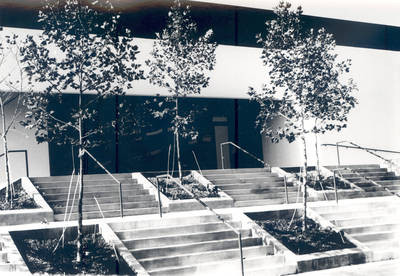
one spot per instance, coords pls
(25, 216)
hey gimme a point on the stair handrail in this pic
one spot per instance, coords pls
(266, 165)
(26, 158)
(205, 205)
(121, 209)
(356, 146)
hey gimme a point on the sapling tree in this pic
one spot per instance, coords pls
(307, 84)
(180, 61)
(80, 50)
(10, 94)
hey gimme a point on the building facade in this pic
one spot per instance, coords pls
(227, 113)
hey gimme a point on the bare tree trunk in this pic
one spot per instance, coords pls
(303, 138)
(178, 153)
(9, 197)
(79, 255)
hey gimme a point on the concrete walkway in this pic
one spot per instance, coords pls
(385, 268)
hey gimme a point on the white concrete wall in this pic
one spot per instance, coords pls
(375, 122)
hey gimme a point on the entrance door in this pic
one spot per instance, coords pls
(221, 136)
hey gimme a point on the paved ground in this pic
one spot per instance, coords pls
(386, 268)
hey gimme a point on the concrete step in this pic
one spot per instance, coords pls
(375, 236)
(86, 183)
(190, 248)
(257, 196)
(233, 171)
(15, 268)
(261, 202)
(110, 213)
(255, 266)
(370, 228)
(373, 189)
(383, 244)
(167, 222)
(385, 254)
(356, 179)
(182, 239)
(357, 166)
(342, 214)
(100, 194)
(368, 170)
(260, 191)
(368, 174)
(360, 205)
(107, 206)
(254, 180)
(175, 230)
(355, 221)
(200, 257)
(119, 176)
(242, 176)
(110, 187)
(102, 200)
(389, 182)
(233, 186)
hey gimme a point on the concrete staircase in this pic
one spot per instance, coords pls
(197, 245)
(374, 172)
(252, 186)
(372, 221)
(136, 199)
(10, 259)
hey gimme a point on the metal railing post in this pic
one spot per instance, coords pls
(159, 198)
(222, 156)
(121, 207)
(286, 190)
(337, 153)
(335, 187)
(241, 252)
(26, 163)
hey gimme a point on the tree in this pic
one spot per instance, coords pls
(179, 62)
(306, 82)
(11, 94)
(81, 50)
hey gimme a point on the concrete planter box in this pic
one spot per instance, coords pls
(224, 201)
(127, 263)
(313, 261)
(24, 216)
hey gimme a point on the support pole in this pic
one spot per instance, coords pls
(241, 252)
(337, 153)
(335, 187)
(159, 198)
(222, 156)
(26, 163)
(286, 190)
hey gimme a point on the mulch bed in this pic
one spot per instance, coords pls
(99, 257)
(21, 199)
(315, 239)
(174, 192)
(324, 182)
